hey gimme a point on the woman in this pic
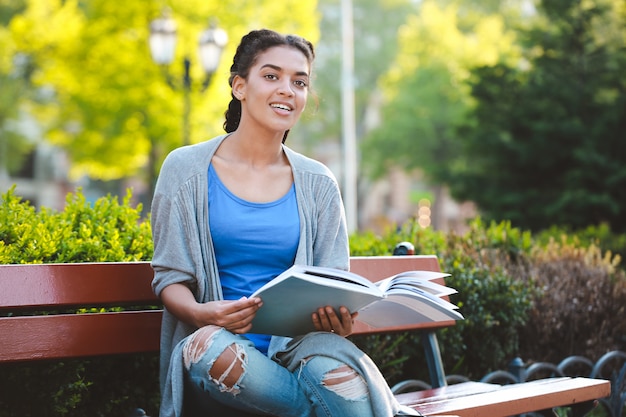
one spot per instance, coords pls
(229, 215)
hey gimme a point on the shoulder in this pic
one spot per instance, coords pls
(185, 168)
(316, 185)
(191, 154)
(188, 161)
(303, 165)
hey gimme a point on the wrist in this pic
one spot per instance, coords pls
(196, 316)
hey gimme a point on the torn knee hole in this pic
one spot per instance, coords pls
(229, 367)
(197, 344)
(340, 375)
(346, 382)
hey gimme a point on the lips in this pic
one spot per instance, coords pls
(281, 106)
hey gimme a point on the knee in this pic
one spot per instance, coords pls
(227, 368)
(337, 377)
(197, 344)
(345, 382)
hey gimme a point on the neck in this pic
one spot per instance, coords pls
(254, 148)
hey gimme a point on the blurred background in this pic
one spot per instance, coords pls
(434, 111)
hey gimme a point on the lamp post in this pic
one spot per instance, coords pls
(163, 45)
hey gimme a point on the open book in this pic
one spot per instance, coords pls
(291, 298)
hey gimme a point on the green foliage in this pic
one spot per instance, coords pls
(102, 387)
(112, 109)
(425, 95)
(599, 235)
(520, 113)
(494, 304)
(520, 295)
(103, 231)
(583, 302)
(545, 144)
(488, 268)
(15, 92)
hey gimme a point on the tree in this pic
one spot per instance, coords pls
(113, 111)
(425, 92)
(547, 143)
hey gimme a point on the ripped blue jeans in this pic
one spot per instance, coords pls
(225, 373)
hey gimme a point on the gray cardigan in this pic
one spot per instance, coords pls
(183, 249)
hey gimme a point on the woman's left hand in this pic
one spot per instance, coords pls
(327, 320)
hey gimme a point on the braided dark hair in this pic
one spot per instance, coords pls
(253, 44)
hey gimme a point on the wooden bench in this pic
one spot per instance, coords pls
(27, 289)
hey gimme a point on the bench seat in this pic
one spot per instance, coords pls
(478, 399)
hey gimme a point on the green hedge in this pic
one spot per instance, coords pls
(541, 297)
(105, 231)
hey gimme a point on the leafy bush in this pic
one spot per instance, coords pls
(583, 304)
(519, 296)
(105, 231)
(598, 235)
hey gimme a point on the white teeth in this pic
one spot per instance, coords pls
(281, 106)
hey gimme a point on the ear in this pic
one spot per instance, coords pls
(239, 88)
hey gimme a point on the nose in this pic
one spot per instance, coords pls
(286, 89)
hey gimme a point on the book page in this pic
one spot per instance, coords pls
(433, 288)
(324, 276)
(416, 277)
(399, 310)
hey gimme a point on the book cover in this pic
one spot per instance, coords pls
(290, 299)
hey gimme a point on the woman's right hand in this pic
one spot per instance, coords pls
(236, 316)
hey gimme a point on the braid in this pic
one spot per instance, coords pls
(253, 44)
(232, 115)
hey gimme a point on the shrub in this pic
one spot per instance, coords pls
(599, 235)
(583, 303)
(520, 296)
(105, 231)
(495, 306)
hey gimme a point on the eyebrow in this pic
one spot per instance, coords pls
(277, 68)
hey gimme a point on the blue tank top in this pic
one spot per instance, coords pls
(254, 242)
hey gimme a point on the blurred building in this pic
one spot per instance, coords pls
(43, 178)
(399, 197)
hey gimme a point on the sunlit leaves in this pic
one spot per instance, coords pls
(105, 230)
(110, 105)
(425, 91)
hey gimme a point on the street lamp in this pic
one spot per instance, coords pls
(162, 47)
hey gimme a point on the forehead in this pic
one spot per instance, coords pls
(287, 58)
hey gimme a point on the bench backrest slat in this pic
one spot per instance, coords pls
(78, 335)
(55, 286)
(25, 288)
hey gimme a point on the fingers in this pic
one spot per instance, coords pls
(235, 316)
(347, 320)
(326, 319)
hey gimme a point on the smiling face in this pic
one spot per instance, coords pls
(275, 92)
